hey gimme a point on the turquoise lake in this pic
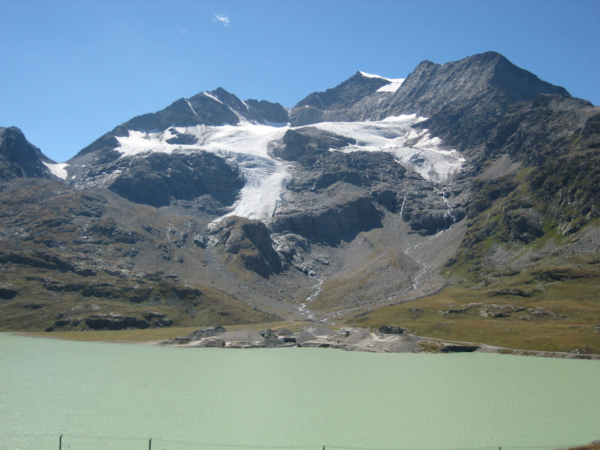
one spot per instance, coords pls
(118, 396)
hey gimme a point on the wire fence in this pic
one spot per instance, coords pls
(78, 441)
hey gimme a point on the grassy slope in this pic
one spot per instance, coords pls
(212, 306)
(581, 329)
(564, 282)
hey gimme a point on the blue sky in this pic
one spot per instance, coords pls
(72, 70)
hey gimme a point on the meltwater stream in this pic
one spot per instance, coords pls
(449, 219)
(117, 396)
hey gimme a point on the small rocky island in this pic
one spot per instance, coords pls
(385, 339)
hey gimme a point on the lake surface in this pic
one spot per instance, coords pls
(117, 396)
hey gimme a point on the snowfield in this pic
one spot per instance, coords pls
(60, 169)
(414, 149)
(246, 146)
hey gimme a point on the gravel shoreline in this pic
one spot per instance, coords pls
(395, 340)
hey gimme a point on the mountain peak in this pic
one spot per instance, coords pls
(476, 89)
(317, 106)
(19, 158)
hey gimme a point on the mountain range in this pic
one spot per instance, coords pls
(458, 200)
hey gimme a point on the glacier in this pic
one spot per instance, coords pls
(246, 146)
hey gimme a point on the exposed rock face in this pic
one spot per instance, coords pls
(19, 158)
(348, 213)
(159, 178)
(250, 242)
(525, 225)
(390, 329)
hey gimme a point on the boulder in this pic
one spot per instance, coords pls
(63, 321)
(7, 293)
(304, 141)
(34, 305)
(213, 343)
(206, 332)
(390, 329)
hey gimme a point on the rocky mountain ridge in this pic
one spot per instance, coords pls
(372, 193)
(19, 158)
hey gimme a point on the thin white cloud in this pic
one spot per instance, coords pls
(184, 31)
(221, 18)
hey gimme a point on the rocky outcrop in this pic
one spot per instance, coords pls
(346, 214)
(269, 112)
(38, 259)
(115, 322)
(390, 329)
(459, 348)
(376, 171)
(524, 225)
(119, 322)
(251, 244)
(307, 141)
(159, 179)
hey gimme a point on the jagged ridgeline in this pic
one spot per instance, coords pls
(471, 182)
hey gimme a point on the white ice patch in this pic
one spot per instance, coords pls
(244, 145)
(60, 169)
(395, 83)
(415, 149)
(393, 86)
